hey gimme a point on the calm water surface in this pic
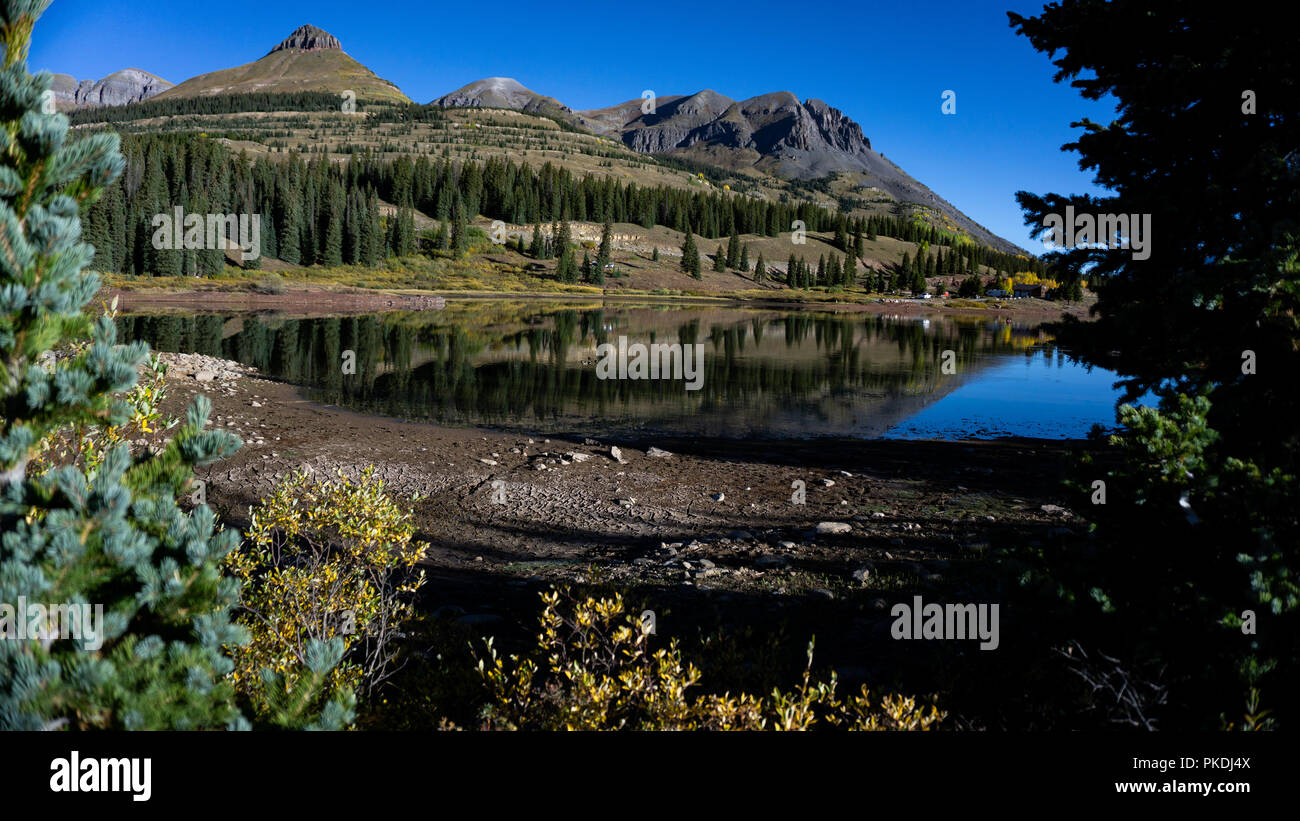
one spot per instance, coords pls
(766, 373)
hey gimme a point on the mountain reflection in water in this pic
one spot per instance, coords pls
(766, 373)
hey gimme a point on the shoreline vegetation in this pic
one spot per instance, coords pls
(323, 291)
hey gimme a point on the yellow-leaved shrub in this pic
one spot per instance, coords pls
(594, 670)
(86, 445)
(325, 560)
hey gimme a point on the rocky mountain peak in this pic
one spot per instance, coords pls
(309, 38)
(505, 92)
(838, 130)
(130, 85)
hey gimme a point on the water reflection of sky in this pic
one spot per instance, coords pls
(1042, 395)
(766, 373)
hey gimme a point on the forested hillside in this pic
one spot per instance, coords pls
(314, 211)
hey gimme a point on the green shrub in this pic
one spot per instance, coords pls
(1188, 540)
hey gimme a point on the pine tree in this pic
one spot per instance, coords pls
(351, 246)
(792, 272)
(744, 258)
(158, 199)
(1073, 289)
(720, 260)
(606, 248)
(760, 269)
(536, 247)
(691, 256)
(401, 233)
(332, 225)
(850, 274)
(118, 228)
(655, 256)
(106, 531)
(96, 231)
(254, 263)
(459, 230)
(566, 270)
(733, 251)
(442, 208)
(210, 261)
(287, 219)
(309, 225)
(372, 237)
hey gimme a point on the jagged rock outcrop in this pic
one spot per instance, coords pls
(773, 132)
(840, 131)
(675, 122)
(130, 85)
(308, 38)
(774, 124)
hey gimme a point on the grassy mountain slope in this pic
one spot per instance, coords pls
(288, 70)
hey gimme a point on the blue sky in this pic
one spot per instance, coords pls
(885, 65)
